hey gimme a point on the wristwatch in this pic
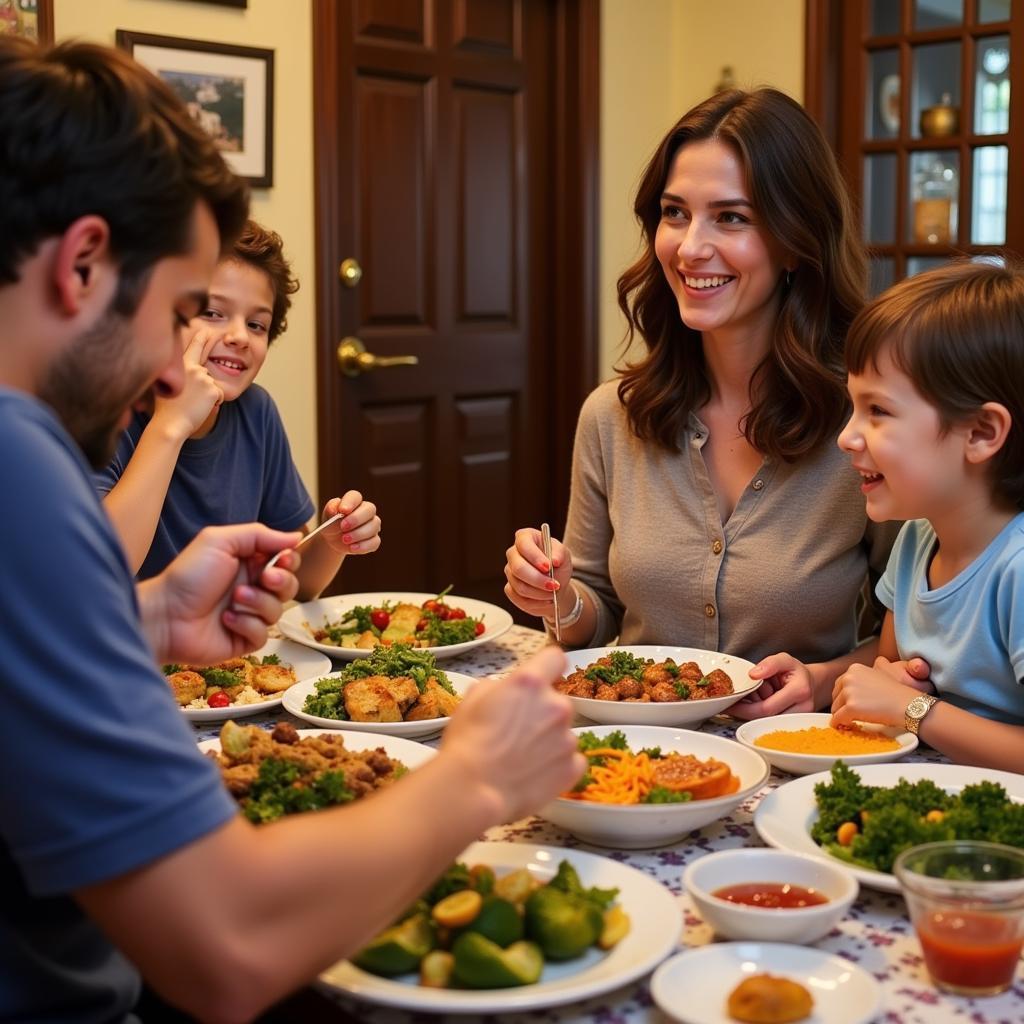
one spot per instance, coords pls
(916, 710)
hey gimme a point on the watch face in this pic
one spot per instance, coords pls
(918, 707)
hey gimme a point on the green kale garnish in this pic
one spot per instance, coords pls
(623, 664)
(703, 682)
(445, 632)
(328, 700)
(654, 753)
(169, 670)
(682, 690)
(221, 678)
(662, 795)
(279, 789)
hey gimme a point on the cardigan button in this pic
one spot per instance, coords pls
(709, 610)
(717, 547)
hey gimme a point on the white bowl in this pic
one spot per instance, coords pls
(644, 826)
(686, 713)
(715, 871)
(806, 764)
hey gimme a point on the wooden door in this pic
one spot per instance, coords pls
(440, 171)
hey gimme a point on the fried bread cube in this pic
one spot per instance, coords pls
(369, 700)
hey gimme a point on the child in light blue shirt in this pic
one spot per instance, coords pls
(936, 370)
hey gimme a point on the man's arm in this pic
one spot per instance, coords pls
(246, 915)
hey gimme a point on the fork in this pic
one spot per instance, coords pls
(309, 536)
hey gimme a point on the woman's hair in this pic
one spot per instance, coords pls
(796, 393)
(84, 129)
(958, 333)
(263, 249)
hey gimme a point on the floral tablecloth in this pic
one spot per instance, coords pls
(875, 934)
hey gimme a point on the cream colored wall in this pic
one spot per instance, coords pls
(285, 27)
(659, 58)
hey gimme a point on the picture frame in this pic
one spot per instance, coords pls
(31, 19)
(228, 89)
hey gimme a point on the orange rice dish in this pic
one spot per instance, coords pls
(832, 740)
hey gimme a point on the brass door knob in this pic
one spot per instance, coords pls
(354, 359)
(350, 272)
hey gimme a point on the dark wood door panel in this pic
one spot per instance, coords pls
(493, 26)
(392, 21)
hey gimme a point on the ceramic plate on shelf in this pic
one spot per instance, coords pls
(299, 622)
(295, 699)
(687, 713)
(693, 987)
(657, 924)
(306, 663)
(785, 816)
(805, 764)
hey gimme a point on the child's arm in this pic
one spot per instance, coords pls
(870, 695)
(135, 502)
(357, 534)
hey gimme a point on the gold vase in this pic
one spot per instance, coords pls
(941, 120)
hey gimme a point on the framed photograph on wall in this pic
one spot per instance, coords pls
(32, 19)
(228, 89)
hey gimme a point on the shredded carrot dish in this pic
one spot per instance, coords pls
(831, 740)
(623, 778)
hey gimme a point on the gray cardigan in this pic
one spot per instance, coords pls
(647, 542)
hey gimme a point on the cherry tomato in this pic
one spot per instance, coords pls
(422, 625)
(443, 612)
(218, 699)
(380, 618)
(431, 605)
(456, 613)
(479, 628)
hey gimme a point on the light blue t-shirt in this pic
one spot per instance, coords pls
(99, 770)
(240, 472)
(971, 629)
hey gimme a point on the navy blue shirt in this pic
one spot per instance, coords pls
(100, 773)
(241, 472)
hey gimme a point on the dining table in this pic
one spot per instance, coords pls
(875, 934)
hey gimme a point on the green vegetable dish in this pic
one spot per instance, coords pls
(869, 826)
(474, 930)
(392, 684)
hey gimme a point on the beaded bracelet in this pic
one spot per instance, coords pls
(574, 616)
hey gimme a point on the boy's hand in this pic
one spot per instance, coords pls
(915, 672)
(187, 411)
(214, 601)
(863, 694)
(788, 686)
(359, 532)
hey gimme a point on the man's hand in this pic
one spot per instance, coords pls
(214, 601)
(513, 737)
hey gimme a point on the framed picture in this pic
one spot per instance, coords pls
(228, 89)
(32, 19)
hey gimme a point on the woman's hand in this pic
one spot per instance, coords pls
(863, 694)
(215, 601)
(788, 686)
(187, 411)
(514, 740)
(526, 568)
(359, 532)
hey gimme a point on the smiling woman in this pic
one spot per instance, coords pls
(721, 434)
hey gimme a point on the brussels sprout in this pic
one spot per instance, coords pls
(563, 925)
(480, 963)
(398, 949)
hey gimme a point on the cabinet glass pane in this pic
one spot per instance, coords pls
(918, 264)
(937, 13)
(885, 18)
(993, 10)
(934, 194)
(936, 83)
(988, 203)
(992, 86)
(882, 102)
(880, 199)
(882, 273)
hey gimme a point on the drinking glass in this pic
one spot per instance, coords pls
(966, 902)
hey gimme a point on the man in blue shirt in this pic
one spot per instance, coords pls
(120, 852)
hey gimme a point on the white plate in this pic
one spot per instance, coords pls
(644, 826)
(305, 662)
(657, 925)
(411, 754)
(805, 764)
(686, 713)
(295, 698)
(784, 817)
(694, 986)
(333, 609)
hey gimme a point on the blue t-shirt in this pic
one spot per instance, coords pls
(241, 472)
(100, 771)
(971, 629)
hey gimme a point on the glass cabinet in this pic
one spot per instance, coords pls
(918, 98)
